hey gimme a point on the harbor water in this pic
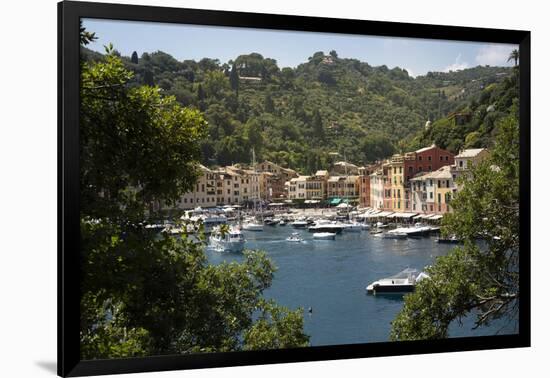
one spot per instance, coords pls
(330, 276)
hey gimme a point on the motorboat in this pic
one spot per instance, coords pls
(253, 226)
(393, 234)
(282, 223)
(326, 226)
(353, 227)
(295, 237)
(324, 235)
(299, 224)
(381, 225)
(402, 282)
(450, 240)
(270, 221)
(230, 241)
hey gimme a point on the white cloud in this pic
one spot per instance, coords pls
(457, 65)
(494, 55)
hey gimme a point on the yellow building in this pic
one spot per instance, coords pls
(395, 173)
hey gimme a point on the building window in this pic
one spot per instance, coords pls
(420, 158)
(431, 195)
(429, 158)
(420, 169)
(431, 207)
(410, 169)
(460, 163)
(441, 158)
(446, 158)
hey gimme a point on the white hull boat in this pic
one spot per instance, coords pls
(252, 226)
(324, 236)
(402, 282)
(231, 241)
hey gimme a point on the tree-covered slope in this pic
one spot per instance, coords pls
(298, 116)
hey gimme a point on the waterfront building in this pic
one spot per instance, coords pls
(364, 185)
(376, 189)
(425, 160)
(432, 192)
(343, 188)
(444, 189)
(297, 188)
(272, 180)
(396, 179)
(203, 193)
(387, 185)
(228, 187)
(246, 184)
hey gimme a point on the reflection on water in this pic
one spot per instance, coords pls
(330, 276)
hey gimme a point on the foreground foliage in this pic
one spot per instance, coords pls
(482, 276)
(144, 294)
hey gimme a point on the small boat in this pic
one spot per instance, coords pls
(253, 226)
(295, 237)
(451, 240)
(282, 223)
(402, 282)
(299, 224)
(381, 225)
(324, 235)
(326, 226)
(394, 235)
(365, 226)
(353, 227)
(230, 241)
(270, 221)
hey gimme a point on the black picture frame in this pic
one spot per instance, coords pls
(69, 14)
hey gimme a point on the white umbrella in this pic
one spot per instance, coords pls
(343, 205)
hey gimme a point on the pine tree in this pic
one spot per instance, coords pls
(234, 80)
(134, 58)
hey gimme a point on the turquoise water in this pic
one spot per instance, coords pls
(331, 276)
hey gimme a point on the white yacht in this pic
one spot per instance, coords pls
(402, 282)
(253, 226)
(230, 241)
(324, 235)
(353, 227)
(299, 224)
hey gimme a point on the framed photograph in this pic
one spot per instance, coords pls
(239, 188)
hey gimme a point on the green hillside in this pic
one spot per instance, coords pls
(298, 116)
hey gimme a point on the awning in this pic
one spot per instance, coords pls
(404, 215)
(335, 201)
(343, 205)
(312, 201)
(384, 213)
(424, 216)
(276, 204)
(436, 217)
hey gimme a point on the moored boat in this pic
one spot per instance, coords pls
(324, 235)
(402, 282)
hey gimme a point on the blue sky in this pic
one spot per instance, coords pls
(289, 48)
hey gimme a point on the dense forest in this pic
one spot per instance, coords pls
(299, 117)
